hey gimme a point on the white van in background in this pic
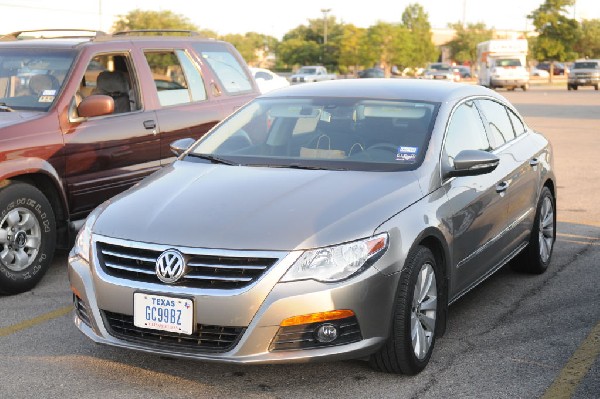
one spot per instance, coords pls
(502, 63)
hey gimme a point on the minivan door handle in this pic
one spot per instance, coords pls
(502, 186)
(534, 162)
(150, 124)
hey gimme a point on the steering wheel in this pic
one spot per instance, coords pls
(384, 146)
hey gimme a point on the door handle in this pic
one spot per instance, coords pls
(534, 162)
(150, 124)
(502, 186)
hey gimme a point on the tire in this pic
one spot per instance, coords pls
(27, 237)
(525, 87)
(536, 257)
(416, 309)
(575, 87)
(595, 87)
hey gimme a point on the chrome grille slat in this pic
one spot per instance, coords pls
(210, 268)
(126, 256)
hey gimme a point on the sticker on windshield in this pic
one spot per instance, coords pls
(45, 99)
(49, 93)
(407, 154)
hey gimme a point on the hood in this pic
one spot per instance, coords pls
(15, 117)
(238, 207)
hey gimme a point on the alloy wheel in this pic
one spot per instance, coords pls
(423, 311)
(546, 229)
(20, 239)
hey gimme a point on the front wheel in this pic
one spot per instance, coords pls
(27, 237)
(535, 258)
(412, 337)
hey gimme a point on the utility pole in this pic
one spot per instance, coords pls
(325, 11)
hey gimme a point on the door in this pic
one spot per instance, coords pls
(478, 204)
(105, 155)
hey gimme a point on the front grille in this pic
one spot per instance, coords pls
(304, 336)
(205, 338)
(204, 270)
(81, 310)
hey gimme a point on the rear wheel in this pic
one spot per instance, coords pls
(595, 87)
(27, 237)
(535, 258)
(412, 338)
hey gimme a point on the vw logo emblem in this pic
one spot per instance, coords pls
(170, 266)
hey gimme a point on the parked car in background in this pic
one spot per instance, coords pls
(314, 73)
(327, 221)
(267, 80)
(584, 73)
(559, 67)
(85, 117)
(463, 70)
(441, 71)
(539, 72)
(372, 73)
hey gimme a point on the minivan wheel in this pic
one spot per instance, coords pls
(27, 237)
(536, 257)
(412, 337)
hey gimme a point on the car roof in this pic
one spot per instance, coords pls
(380, 88)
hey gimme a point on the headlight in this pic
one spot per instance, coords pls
(339, 262)
(83, 241)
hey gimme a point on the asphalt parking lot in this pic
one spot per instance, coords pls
(515, 336)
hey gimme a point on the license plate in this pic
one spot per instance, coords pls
(581, 80)
(164, 313)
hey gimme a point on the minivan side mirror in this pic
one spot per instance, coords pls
(96, 105)
(473, 163)
(178, 147)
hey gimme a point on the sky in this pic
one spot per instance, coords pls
(273, 17)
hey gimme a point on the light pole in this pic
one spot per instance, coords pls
(325, 11)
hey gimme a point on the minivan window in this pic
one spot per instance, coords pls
(229, 71)
(169, 78)
(586, 65)
(32, 79)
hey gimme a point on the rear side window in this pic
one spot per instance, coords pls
(176, 78)
(498, 122)
(516, 122)
(228, 69)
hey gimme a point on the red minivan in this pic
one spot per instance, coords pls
(84, 116)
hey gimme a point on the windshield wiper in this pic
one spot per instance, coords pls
(213, 159)
(296, 166)
(5, 108)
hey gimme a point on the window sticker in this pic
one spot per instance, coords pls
(407, 154)
(45, 99)
(49, 93)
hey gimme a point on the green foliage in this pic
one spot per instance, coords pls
(464, 46)
(558, 34)
(351, 54)
(588, 44)
(251, 44)
(139, 19)
(387, 45)
(416, 20)
(296, 51)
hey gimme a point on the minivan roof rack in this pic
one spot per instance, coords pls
(155, 32)
(52, 34)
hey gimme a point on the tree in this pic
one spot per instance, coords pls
(387, 45)
(416, 20)
(350, 51)
(464, 46)
(252, 45)
(588, 44)
(297, 51)
(139, 19)
(557, 34)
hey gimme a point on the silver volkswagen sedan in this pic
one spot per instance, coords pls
(327, 221)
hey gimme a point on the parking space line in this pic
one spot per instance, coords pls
(591, 223)
(5, 331)
(577, 367)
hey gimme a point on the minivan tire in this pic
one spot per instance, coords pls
(27, 237)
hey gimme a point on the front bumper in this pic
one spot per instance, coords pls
(513, 82)
(256, 311)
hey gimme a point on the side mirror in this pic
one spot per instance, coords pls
(96, 105)
(178, 147)
(473, 163)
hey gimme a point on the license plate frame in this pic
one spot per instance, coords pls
(163, 313)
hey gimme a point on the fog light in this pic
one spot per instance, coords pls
(326, 333)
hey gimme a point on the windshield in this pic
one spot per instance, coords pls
(586, 65)
(307, 71)
(508, 62)
(322, 133)
(31, 79)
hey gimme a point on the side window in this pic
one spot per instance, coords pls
(229, 71)
(499, 124)
(518, 125)
(263, 75)
(176, 77)
(466, 131)
(111, 74)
